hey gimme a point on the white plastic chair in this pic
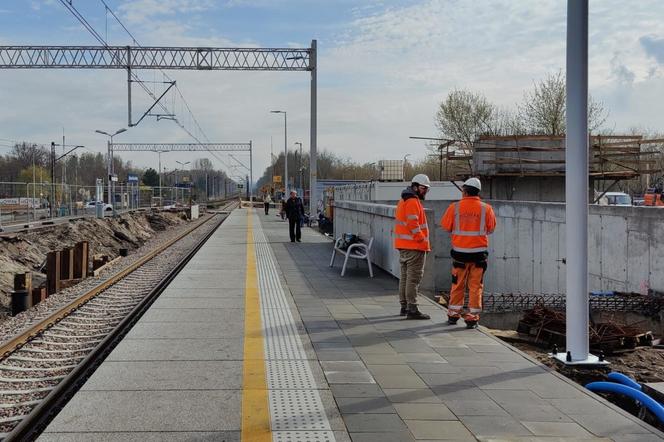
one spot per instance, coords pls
(358, 250)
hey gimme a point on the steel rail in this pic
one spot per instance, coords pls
(20, 339)
(32, 426)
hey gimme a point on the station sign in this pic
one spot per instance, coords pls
(132, 178)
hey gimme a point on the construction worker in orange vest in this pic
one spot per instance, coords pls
(470, 221)
(411, 238)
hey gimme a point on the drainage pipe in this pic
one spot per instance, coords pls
(609, 387)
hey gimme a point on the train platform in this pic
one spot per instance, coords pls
(257, 339)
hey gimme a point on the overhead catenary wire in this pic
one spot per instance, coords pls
(101, 40)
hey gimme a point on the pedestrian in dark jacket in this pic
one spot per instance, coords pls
(294, 212)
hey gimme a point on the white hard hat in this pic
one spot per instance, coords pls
(473, 182)
(421, 179)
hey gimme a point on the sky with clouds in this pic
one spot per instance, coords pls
(384, 67)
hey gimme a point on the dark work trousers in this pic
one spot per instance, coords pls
(294, 229)
(267, 207)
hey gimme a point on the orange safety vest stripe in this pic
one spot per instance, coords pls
(411, 231)
(470, 221)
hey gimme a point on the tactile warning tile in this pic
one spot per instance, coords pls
(297, 410)
(289, 375)
(297, 413)
(303, 436)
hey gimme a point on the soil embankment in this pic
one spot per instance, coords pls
(26, 251)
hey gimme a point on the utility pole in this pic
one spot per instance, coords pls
(50, 206)
(299, 167)
(313, 155)
(271, 163)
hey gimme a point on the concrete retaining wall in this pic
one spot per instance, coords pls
(527, 251)
(377, 220)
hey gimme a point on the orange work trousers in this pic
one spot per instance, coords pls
(471, 275)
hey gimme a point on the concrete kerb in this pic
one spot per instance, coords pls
(565, 379)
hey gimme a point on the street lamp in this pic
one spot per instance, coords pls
(109, 167)
(285, 147)
(299, 167)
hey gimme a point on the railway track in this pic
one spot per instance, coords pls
(42, 367)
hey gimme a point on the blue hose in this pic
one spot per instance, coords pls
(648, 402)
(623, 379)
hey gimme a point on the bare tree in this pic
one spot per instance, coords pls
(464, 115)
(543, 108)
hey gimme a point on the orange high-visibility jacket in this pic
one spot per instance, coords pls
(470, 221)
(411, 231)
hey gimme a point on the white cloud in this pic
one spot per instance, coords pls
(381, 76)
(141, 11)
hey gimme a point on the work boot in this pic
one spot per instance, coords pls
(404, 309)
(414, 313)
(471, 324)
(452, 320)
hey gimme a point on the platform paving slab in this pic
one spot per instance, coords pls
(444, 383)
(149, 411)
(166, 375)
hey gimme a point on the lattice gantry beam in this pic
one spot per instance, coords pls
(122, 57)
(179, 147)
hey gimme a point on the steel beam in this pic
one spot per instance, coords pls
(137, 57)
(179, 147)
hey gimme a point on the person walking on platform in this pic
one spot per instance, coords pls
(267, 200)
(294, 209)
(411, 239)
(470, 221)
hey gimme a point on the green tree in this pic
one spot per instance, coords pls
(151, 177)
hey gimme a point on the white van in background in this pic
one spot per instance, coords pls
(615, 199)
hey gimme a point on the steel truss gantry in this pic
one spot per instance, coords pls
(190, 147)
(188, 58)
(140, 57)
(179, 147)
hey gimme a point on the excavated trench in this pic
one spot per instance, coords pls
(26, 251)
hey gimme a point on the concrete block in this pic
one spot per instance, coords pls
(555, 213)
(595, 245)
(539, 212)
(562, 254)
(614, 248)
(504, 210)
(638, 261)
(549, 275)
(657, 257)
(537, 256)
(524, 251)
